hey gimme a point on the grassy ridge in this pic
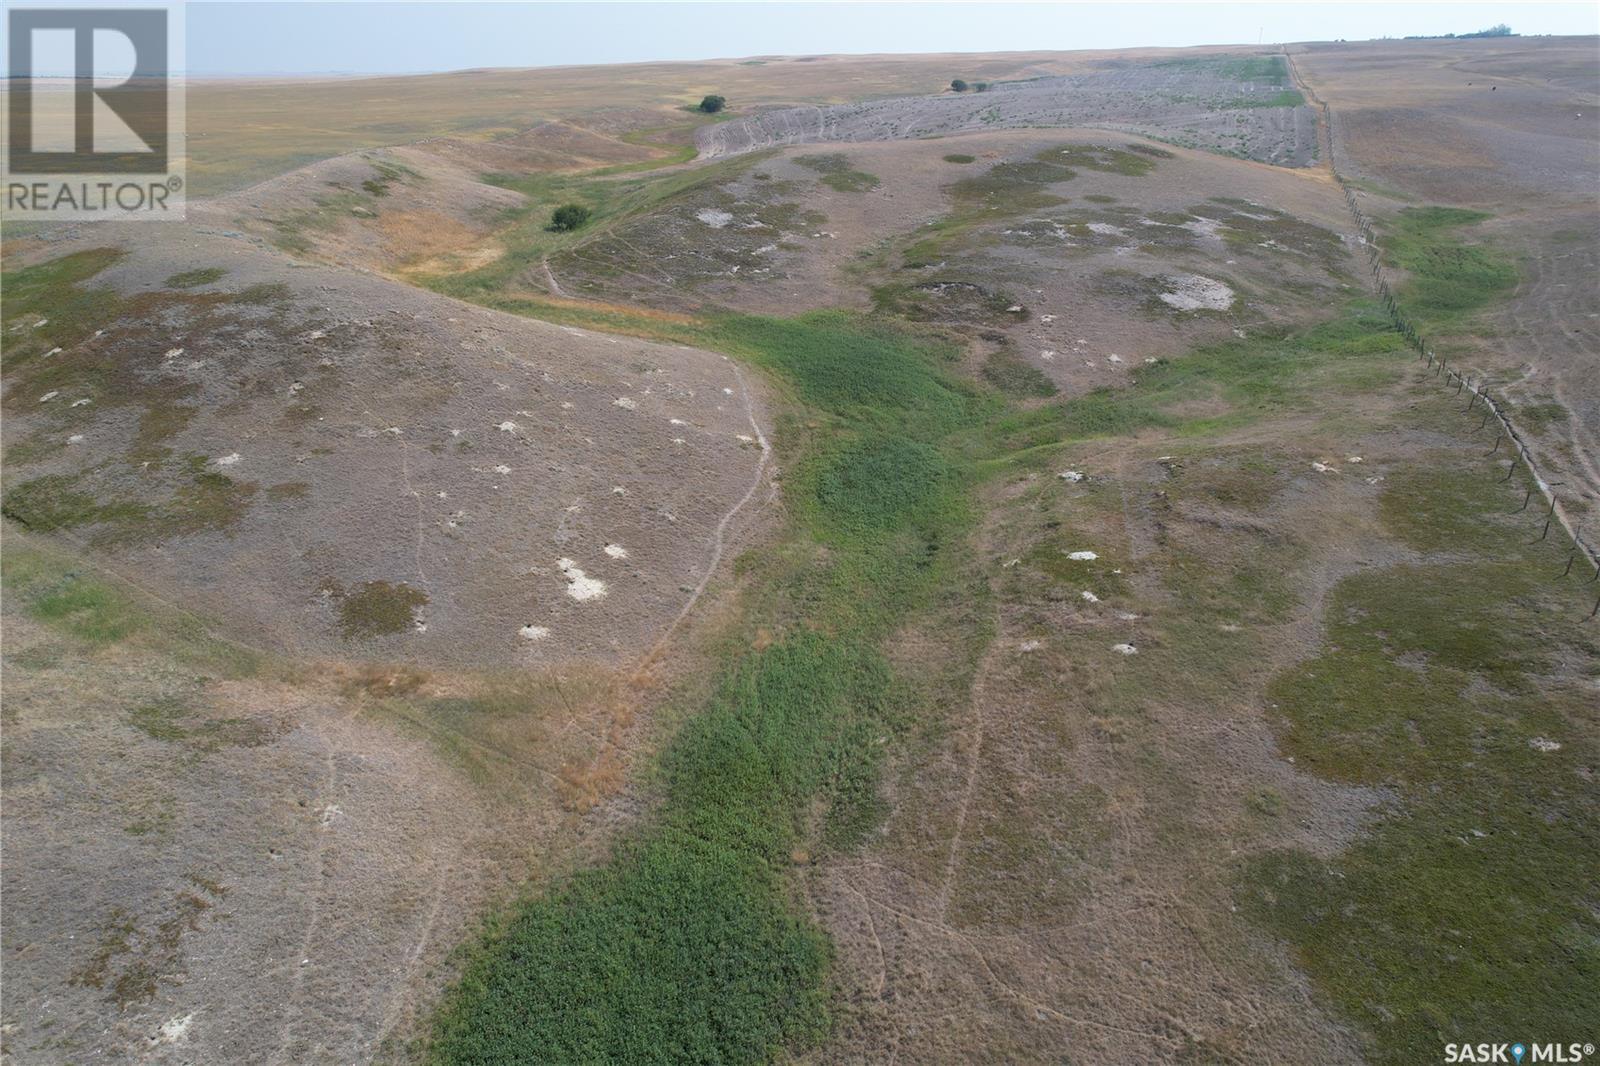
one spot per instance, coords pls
(612, 194)
(685, 947)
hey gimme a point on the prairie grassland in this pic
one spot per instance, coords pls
(687, 942)
(238, 134)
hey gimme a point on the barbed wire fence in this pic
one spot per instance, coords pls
(1438, 367)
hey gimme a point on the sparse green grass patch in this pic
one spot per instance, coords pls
(54, 502)
(1450, 279)
(1017, 377)
(193, 279)
(55, 588)
(837, 173)
(1468, 906)
(1252, 378)
(1105, 159)
(1538, 417)
(173, 722)
(1281, 98)
(378, 608)
(47, 305)
(960, 157)
(614, 197)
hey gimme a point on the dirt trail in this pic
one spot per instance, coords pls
(550, 281)
(719, 534)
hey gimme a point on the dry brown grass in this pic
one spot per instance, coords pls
(241, 132)
(1506, 126)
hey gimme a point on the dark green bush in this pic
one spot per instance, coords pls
(569, 217)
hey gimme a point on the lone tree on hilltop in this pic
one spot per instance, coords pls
(569, 217)
(958, 85)
(712, 104)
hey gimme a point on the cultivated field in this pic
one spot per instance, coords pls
(917, 576)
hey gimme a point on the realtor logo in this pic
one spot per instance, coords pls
(94, 118)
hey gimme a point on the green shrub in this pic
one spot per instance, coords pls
(569, 217)
(713, 103)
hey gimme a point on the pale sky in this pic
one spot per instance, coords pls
(382, 36)
(388, 37)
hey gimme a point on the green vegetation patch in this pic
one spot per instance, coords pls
(1108, 160)
(620, 199)
(377, 608)
(47, 305)
(949, 302)
(1223, 385)
(1271, 69)
(1254, 229)
(1270, 73)
(56, 588)
(193, 279)
(869, 374)
(173, 722)
(686, 947)
(838, 173)
(878, 483)
(1450, 279)
(1015, 186)
(1281, 98)
(203, 500)
(55, 502)
(1470, 905)
(82, 344)
(1538, 417)
(960, 157)
(1016, 377)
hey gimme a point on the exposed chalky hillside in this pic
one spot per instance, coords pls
(1238, 105)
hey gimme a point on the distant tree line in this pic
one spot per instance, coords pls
(1502, 30)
